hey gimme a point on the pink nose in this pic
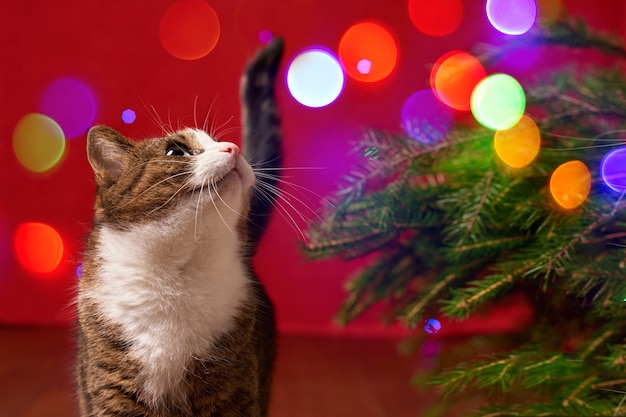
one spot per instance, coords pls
(229, 148)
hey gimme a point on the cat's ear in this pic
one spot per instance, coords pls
(108, 153)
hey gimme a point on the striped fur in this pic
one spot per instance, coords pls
(172, 320)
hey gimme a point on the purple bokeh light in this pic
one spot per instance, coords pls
(613, 169)
(512, 17)
(71, 104)
(425, 118)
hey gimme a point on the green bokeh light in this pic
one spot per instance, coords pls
(498, 102)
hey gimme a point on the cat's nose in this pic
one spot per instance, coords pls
(229, 148)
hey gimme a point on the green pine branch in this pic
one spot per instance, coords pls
(452, 229)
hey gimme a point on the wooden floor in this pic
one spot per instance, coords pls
(314, 377)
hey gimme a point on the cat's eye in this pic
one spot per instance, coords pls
(176, 150)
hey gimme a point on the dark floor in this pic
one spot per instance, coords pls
(314, 377)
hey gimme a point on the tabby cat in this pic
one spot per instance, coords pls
(172, 319)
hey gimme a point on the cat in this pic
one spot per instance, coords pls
(172, 320)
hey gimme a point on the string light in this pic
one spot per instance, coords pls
(453, 78)
(613, 169)
(570, 184)
(518, 145)
(498, 101)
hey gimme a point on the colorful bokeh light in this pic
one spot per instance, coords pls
(512, 17)
(432, 326)
(570, 184)
(436, 18)
(315, 78)
(189, 29)
(498, 101)
(613, 169)
(368, 45)
(38, 247)
(453, 78)
(265, 36)
(71, 104)
(425, 118)
(518, 146)
(129, 116)
(38, 142)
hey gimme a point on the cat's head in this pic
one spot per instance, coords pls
(184, 174)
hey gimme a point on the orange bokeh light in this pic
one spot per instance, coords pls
(368, 52)
(453, 78)
(189, 29)
(436, 18)
(38, 247)
(570, 184)
(518, 146)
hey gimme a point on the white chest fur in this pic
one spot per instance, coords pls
(171, 294)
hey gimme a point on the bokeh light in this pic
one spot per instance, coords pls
(38, 247)
(71, 104)
(129, 116)
(453, 78)
(265, 37)
(315, 78)
(38, 142)
(498, 101)
(512, 17)
(518, 145)
(368, 51)
(570, 184)
(432, 326)
(613, 169)
(436, 18)
(189, 29)
(425, 118)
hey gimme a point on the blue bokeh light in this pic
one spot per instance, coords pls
(129, 116)
(613, 169)
(432, 326)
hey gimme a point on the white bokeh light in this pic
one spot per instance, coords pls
(315, 78)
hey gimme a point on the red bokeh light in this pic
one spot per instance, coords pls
(436, 18)
(38, 247)
(189, 29)
(368, 51)
(454, 77)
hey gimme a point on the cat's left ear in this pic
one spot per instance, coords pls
(108, 153)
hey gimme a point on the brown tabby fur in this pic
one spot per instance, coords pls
(232, 378)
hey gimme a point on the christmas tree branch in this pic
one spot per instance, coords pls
(413, 314)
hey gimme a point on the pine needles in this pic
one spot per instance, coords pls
(453, 228)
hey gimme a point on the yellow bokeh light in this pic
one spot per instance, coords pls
(570, 184)
(518, 145)
(38, 142)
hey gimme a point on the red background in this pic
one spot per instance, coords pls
(113, 47)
